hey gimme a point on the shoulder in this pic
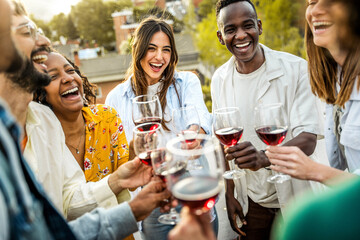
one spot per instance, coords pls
(185, 76)
(222, 71)
(119, 90)
(283, 56)
(42, 112)
(101, 110)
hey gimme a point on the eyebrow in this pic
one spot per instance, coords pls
(23, 24)
(54, 69)
(151, 44)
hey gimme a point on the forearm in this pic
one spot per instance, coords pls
(82, 197)
(328, 175)
(115, 223)
(305, 141)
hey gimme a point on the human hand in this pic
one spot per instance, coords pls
(245, 155)
(291, 161)
(192, 227)
(131, 174)
(149, 198)
(234, 210)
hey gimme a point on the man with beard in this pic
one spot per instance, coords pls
(25, 211)
(256, 75)
(10, 60)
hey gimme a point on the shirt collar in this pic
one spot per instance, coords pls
(91, 116)
(128, 91)
(273, 66)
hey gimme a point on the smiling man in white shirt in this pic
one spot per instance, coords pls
(256, 75)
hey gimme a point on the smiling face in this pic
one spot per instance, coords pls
(239, 31)
(65, 91)
(325, 26)
(28, 44)
(157, 57)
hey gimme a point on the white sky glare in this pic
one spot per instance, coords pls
(46, 9)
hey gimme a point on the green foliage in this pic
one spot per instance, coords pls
(41, 24)
(206, 7)
(206, 41)
(93, 20)
(63, 26)
(279, 19)
(207, 94)
(190, 19)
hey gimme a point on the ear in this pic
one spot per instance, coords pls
(259, 23)
(218, 33)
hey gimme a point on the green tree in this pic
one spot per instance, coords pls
(206, 7)
(43, 25)
(206, 41)
(62, 25)
(93, 21)
(280, 21)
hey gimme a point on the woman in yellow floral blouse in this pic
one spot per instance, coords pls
(93, 133)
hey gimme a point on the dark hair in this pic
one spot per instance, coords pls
(224, 3)
(142, 36)
(89, 88)
(323, 71)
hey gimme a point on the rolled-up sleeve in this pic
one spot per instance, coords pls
(114, 223)
(81, 196)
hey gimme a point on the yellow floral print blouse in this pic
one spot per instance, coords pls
(106, 147)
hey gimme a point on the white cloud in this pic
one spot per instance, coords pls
(46, 9)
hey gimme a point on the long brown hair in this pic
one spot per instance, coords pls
(143, 34)
(323, 71)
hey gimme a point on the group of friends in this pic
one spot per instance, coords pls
(67, 170)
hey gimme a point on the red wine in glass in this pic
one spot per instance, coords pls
(229, 136)
(271, 135)
(148, 120)
(145, 157)
(176, 171)
(197, 192)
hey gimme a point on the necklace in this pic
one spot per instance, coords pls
(80, 140)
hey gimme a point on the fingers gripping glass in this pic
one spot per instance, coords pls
(271, 126)
(228, 128)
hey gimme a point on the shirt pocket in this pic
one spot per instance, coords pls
(350, 136)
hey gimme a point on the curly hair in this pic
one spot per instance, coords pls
(89, 88)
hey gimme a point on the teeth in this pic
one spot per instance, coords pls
(40, 58)
(318, 24)
(242, 45)
(156, 65)
(70, 91)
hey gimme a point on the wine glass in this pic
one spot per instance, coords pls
(146, 108)
(228, 128)
(187, 126)
(160, 168)
(271, 127)
(199, 189)
(146, 138)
